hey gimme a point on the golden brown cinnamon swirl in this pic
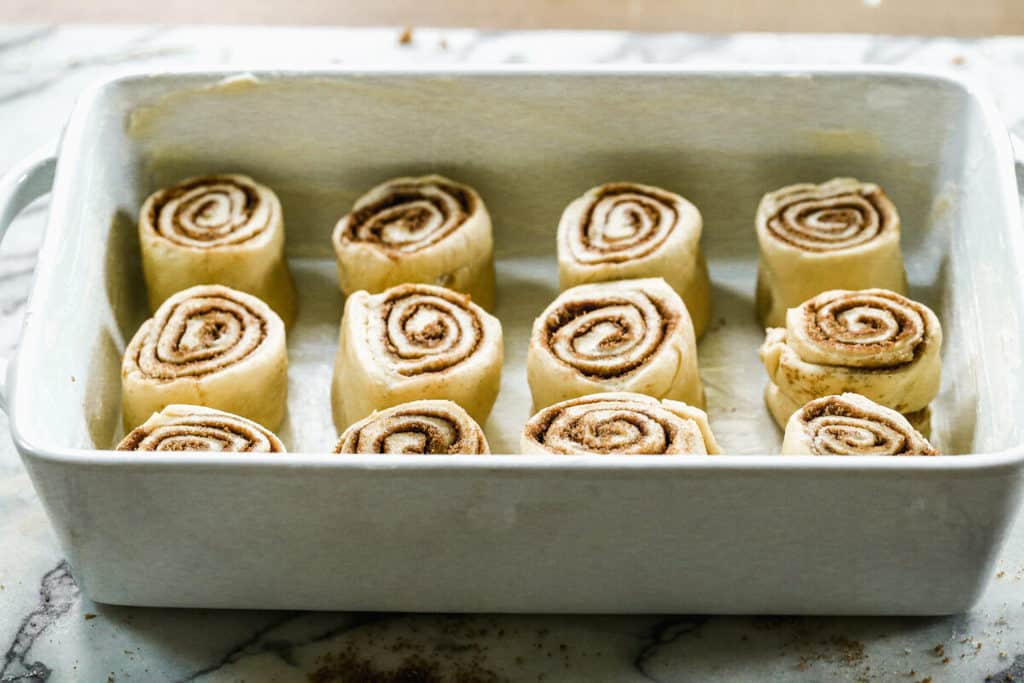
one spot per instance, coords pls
(842, 234)
(413, 342)
(630, 335)
(618, 231)
(851, 424)
(195, 428)
(428, 427)
(872, 342)
(619, 423)
(211, 346)
(219, 229)
(429, 229)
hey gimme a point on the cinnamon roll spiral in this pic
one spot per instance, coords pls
(416, 428)
(851, 424)
(428, 229)
(842, 234)
(872, 342)
(618, 231)
(224, 229)
(195, 428)
(411, 342)
(619, 423)
(630, 335)
(211, 346)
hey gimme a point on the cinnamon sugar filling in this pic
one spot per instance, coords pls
(200, 433)
(611, 322)
(428, 334)
(413, 433)
(411, 211)
(830, 222)
(214, 333)
(641, 211)
(828, 330)
(193, 220)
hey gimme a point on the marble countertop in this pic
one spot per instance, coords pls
(50, 632)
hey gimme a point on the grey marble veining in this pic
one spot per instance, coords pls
(50, 632)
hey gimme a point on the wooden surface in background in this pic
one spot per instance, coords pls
(950, 17)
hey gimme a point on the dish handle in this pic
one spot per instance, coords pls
(26, 182)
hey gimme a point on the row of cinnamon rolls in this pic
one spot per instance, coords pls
(229, 229)
(217, 346)
(617, 423)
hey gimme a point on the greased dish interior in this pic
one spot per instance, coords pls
(529, 147)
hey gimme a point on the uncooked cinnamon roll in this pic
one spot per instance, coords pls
(782, 408)
(851, 424)
(210, 346)
(195, 428)
(842, 234)
(416, 428)
(619, 423)
(626, 230)
(630, 335)
(872, 342)
(415, 342)
(218, 229)
(429, 229)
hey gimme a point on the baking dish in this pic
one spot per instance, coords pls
(748, 532)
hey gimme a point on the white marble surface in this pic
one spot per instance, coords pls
(49, 632)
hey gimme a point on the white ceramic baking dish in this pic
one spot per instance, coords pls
(749, 532)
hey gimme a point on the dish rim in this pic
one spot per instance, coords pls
(71, 142)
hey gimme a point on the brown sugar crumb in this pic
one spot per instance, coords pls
(405, 37)
(939, 650)
(959, 60)
(89, 616)
(945, 660)
(850, 651)
(1000, 575)
(348, 667)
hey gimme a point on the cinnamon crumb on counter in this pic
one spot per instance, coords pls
(347, 667)
(405, 37)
